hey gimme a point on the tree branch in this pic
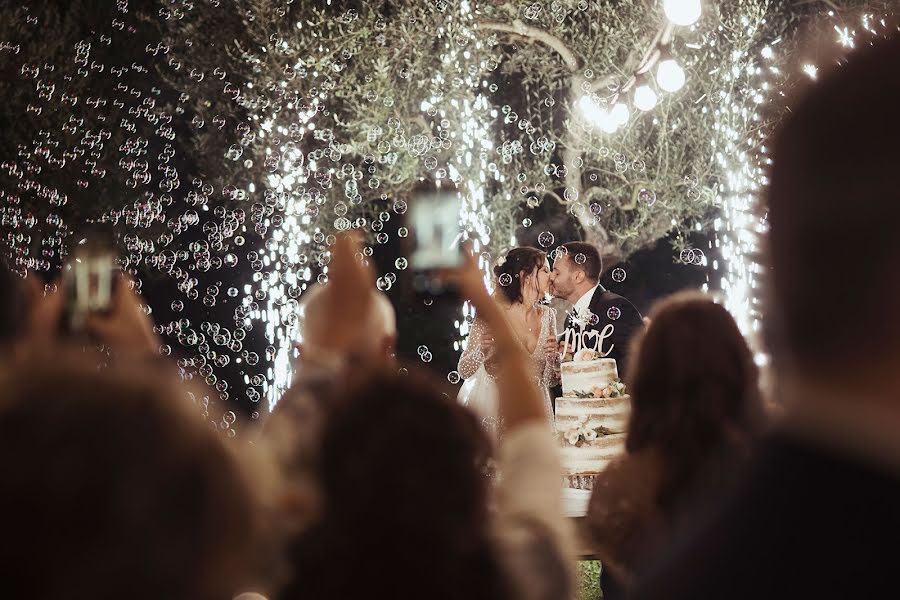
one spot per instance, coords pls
(519, 28)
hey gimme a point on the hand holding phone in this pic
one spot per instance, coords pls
(125, 328)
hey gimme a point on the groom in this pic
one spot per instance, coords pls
(575, 278)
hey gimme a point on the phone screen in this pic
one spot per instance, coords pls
(434, 220)
(89, 277)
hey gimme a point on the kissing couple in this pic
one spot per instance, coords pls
(523, 281)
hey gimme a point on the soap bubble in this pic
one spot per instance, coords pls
(580, 258)
(647, 196)
(546, 239)
(618, 275)
(505, 279)
(453, 377)
(613, 313)
(559, 251)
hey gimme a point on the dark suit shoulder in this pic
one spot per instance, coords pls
(604, 299)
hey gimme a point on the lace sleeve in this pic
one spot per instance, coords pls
(473, 356)
(551, 375)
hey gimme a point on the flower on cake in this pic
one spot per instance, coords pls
(611, 390)
(580, 433)
(586, 354)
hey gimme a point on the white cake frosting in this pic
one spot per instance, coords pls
(591, 416)
(610, 413)
(583, 375)
(592, 458)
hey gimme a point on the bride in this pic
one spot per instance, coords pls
(521, 280)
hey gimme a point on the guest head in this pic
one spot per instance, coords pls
(832, 208)
(114, 487)
(404, 498)
(377, 327)
(693, 386)
(523, 275)
(576, 271)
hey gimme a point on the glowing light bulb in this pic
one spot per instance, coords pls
(619, 114)
(599, 116)
(644, 97)
(670, 75)
(682, 12)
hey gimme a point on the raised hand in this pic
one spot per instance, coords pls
(126, 329)
(45, 315)
(349, 293)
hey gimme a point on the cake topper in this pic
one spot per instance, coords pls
(574, 341)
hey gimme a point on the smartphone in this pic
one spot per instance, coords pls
(89, 277)
(435, 237)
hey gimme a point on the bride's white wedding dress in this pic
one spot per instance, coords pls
(479, 392)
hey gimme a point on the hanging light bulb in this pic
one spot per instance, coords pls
(644, 97)
(682, 12)
(597, 115)
(590, 109)
(619, 114)
(607, 123)
(670, 75)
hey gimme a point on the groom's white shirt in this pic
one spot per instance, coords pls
(583, 305)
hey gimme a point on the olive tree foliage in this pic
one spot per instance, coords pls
(360, 99)
(335, 109)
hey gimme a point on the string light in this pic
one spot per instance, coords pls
(744, 163)
(645, 97)
(682, 12)
(669, 75)
(470, 164)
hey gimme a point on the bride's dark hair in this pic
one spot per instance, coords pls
(523, 258)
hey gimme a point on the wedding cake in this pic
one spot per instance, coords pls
(591, 415)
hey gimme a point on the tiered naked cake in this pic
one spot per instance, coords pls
(591, 416)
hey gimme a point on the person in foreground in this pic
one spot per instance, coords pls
(404, 500)
(695, 413)
(522, 280)
(115, 487)
(817, 515)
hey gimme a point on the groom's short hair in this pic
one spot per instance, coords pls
(592, 264)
